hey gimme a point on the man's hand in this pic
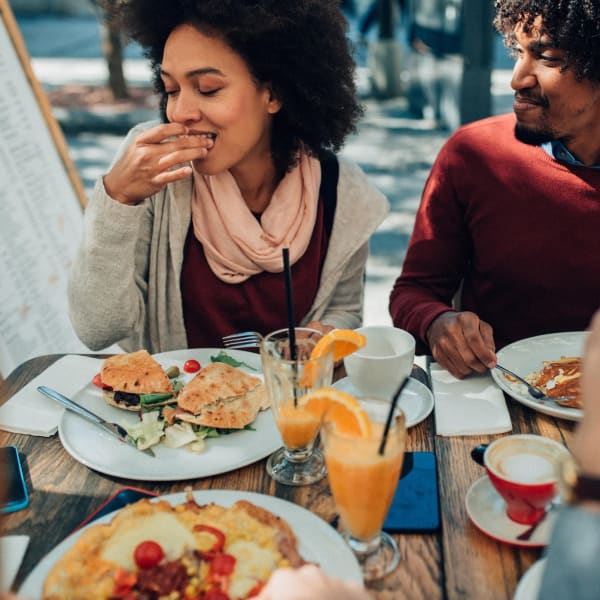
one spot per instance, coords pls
(462, 343)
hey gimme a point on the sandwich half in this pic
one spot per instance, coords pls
(220, 396)
(132, 375)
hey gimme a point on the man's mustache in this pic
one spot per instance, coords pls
(527, 96)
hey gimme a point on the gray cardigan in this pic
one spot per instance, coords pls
(124, 281)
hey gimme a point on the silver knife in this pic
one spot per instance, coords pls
(112, 428)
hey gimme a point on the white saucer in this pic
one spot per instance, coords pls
(530, 584)
(416, 400)
(487, 511)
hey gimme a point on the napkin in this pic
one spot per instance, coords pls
(471, 406)
(12, 551)
(31, 413)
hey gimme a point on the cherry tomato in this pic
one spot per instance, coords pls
(148, 554)
(222, 564)
(191, 366)
(97, 381)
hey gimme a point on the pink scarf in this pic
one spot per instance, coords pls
(236, 244)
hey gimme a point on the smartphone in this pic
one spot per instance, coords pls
(415, 507)
(13, 492)
(119, 499)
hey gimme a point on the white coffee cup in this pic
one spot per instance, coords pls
(383, 363)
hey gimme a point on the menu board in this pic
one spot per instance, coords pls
(41, 200)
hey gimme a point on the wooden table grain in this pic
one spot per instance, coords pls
(457, 562)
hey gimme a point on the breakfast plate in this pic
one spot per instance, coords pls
(530, 584)
(317, 541)
(97, 450)
(526, 356)
(416, 400)
(487, 511)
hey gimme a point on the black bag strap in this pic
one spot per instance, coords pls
(330, 172)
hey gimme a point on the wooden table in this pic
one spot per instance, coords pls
(456, 562)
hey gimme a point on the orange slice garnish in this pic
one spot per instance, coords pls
(340, 408)
(342, 341)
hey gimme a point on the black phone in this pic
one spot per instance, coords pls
(121, 498)
(13, 495)
(415, 507)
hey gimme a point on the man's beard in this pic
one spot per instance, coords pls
(533, 137)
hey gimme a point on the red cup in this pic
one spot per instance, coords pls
(524, 471)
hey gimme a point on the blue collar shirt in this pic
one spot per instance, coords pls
(556, 149)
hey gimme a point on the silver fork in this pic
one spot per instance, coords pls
(534, 392)
(244, 339)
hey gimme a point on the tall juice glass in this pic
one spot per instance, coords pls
(298, 462)
(363, 484)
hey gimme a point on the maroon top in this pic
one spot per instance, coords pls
(213, 308)
(518, 227)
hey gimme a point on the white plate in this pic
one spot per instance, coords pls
(530, 584)
(96, 449)
(487, 511)
(526, 356)
(416, 400)
(317, 540)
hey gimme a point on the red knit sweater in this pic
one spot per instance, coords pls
(520, 228)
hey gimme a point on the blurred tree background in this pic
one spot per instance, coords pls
(112, 47)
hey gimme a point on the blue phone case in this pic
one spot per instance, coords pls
(122, 497)
(17, 496)
(415, 507)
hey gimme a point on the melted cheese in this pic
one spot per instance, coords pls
(253, 564)
(163, 528)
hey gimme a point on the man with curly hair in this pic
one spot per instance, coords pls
(510, 213)
(184, 235)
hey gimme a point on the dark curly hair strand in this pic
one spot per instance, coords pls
(299, 47)
(573, 25)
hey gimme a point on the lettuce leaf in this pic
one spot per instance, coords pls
(178, 435)
(146, 399)
(225, 358)
(148, 431)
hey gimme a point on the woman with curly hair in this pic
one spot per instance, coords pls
(510, 213)
(184, 235)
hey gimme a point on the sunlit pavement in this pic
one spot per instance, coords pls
(395, 149)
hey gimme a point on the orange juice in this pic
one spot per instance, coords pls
(298, 427)
(363, 482)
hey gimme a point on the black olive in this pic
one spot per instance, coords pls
(127, 399)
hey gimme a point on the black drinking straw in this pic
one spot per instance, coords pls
(290, 301)
(390, 416)
(290, 312)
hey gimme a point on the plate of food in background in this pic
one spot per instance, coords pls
(551, 362)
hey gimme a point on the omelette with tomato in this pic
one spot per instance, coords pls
(153, 550)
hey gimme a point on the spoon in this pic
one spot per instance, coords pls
(534, 392)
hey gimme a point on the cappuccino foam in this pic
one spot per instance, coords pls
(526, 468)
